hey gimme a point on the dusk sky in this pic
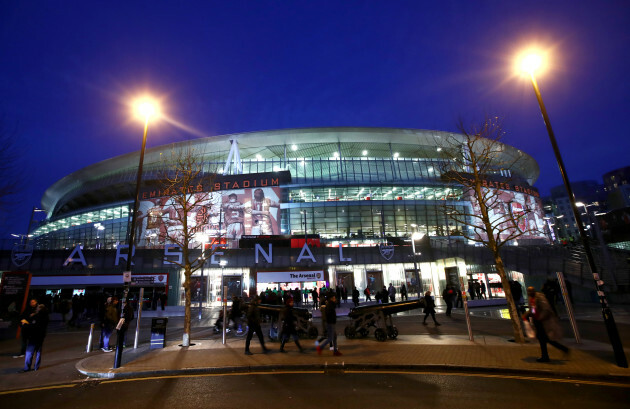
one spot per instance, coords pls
(68, 68)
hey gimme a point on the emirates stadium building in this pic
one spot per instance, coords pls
(294, 208)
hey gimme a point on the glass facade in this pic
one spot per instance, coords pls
(342, 198)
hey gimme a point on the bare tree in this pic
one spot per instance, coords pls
(186, 206)
(477, 162)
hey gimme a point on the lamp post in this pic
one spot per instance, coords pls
(224, 301)
(529, 64)
(146, 110)
(416, 236)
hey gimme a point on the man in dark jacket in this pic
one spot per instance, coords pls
(288, 326)
(253, 322)
(447, 295)
(38, 324)
(355, 296)
(24, 328)
(331, 320)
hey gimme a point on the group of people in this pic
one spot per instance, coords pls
(289, 328)
(109, 317)
(387, 294)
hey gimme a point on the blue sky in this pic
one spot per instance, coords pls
(67, 69)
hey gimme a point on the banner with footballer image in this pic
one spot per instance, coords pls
(235, 205)
(525, 209)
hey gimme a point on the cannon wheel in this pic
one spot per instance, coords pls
(312, 332)
(350, 332)
(364, 332)
(392, 332)
(380, 335)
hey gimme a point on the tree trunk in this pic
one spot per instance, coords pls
(186, 335)
(514, 314)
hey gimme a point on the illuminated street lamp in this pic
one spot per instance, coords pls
(529, 63)
(145, 109)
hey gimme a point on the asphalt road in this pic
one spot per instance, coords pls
(328, 390)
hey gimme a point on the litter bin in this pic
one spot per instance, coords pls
(158, 332)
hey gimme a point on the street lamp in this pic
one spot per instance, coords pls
(529, 63)
(145, 109)
(416, 236)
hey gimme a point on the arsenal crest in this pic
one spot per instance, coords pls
(387, 250)
(21, 254)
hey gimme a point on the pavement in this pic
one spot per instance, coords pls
(418, 348)
(451, 353)
(434, 349)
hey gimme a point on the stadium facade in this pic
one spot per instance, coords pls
(295, 207)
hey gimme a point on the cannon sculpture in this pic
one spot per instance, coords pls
(303, 320)
(378, 316)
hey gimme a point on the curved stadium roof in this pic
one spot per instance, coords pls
(113, 180)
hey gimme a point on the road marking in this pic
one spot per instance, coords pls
(41, 388)
(519, 377)
(322, 372)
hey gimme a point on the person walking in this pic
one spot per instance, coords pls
(109, 322)
(253, 324)
(391, 291)
(368, 295)
(447, 296)
(546, 323)
(403, 292)
(331, 321)
(38, 324)
(355, 296)
(460, 299)
(429, 308)
(288, 326)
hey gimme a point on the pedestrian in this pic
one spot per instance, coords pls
(355, 296)
(546, 323)
(471, 290)
(315, 297)
(368, 295)
(289, 326)
(163, 300)
(110, 319)
(235, 313)
(550, 290)
(483, 290)
(38, 324)
(384, 295)
(253, 324)
(128, 316)
(460, 299)
(391, 291)
(447, 296)
(403, 292)
(478, 290)
(429, 308)
(517, 295)
(24, 329)
(331, 321)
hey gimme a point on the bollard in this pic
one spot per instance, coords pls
(89, 344)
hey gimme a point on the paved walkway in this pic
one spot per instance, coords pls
(452, 353)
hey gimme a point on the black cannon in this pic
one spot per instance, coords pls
(303, 319)
(377, 316)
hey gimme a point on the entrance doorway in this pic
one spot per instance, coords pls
(375, 281)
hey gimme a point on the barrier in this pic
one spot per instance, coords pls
(303, 319)
(378, 316)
